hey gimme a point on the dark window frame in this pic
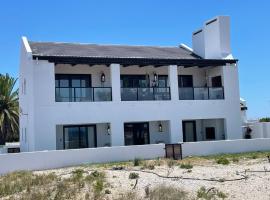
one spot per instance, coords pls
(137, 123)
(181, 83)
(194, 129)
(79, 126)
(70, 77)
(134, 77)
(214, 132)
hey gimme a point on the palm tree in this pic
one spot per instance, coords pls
(9, 107)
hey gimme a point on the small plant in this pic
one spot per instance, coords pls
(167, 192)
(254, 156)
(133, 175)
(186, 166)
(209, 194)
(137, 162)
(77, 174)
(148, 165)
(235, 159)
(128, 195)
(171, 163)
(147, 191)
(223, 161)
(107, 191)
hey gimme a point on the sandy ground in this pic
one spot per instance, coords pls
(255, 186)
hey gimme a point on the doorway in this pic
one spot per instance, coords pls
(189, 131)
(136, 133)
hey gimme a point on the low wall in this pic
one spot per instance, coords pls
(225, 146)
(41, 160)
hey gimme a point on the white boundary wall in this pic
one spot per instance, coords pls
(225, 146)
(41, 160)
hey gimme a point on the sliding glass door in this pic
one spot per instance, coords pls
(83, 136)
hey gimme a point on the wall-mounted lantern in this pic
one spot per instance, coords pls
(108, 129)
(102, 77)
(155, 77)
(160, 128)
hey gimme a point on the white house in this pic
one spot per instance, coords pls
(87, 95)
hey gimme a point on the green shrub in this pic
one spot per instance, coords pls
(171, 163)
(223, 161)
(265, 119)
(186, 166)
(209, 194)
(77, 174)
(133, 175)
(137, 162)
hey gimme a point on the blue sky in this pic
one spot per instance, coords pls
(151, 22)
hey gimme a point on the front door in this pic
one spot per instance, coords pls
(136, 133)
(189, 131)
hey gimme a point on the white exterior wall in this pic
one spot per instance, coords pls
(40, 113)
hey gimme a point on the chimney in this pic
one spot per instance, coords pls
(213, 40)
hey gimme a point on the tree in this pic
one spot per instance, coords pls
(9, 108)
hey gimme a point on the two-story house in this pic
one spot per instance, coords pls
(76, 95)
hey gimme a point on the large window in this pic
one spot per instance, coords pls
(185, 81)
(163, 81)
(72, 80)
(134, 81)
(73, 87)
(136, 133)
(83, 136)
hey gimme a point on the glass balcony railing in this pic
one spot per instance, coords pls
(80, 94)
(201, 93)
(144, 94)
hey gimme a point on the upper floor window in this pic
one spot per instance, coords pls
(163, 81)
(72, 80)
(78, 88)
(185, 81)
(216, 81)
(134, 81)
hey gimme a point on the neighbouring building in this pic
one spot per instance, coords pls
(76, 95)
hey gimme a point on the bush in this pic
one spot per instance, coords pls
(137, 162)
(235, 159)
(77, 174)
(223, 161)
(148, 165)
(209, 194)
(171, 163)
(186, 166)
(133, 175)
(265, 119)
(167, 193)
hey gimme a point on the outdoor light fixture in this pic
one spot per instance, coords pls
(102, 77)
(108, 129)
(155, 77)
(160, 128)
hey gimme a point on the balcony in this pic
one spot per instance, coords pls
(144, 94)
(201, 93)
(82, 94)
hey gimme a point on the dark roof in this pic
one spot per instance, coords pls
(75, 53)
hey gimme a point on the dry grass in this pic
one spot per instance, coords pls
(27, 185)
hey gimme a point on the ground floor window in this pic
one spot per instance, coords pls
(83, 136)
(136, 133)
